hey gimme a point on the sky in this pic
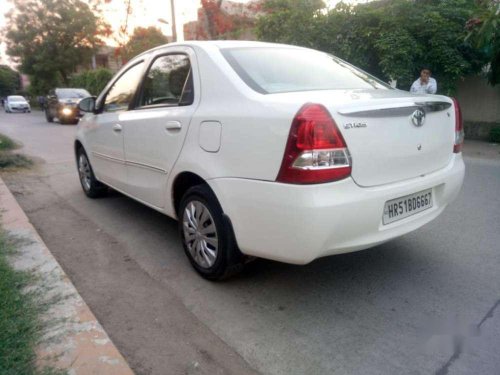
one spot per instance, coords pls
(144, 13)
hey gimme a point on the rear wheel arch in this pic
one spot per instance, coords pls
(182, 183)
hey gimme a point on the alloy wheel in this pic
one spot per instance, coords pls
(200, 234)
(84, 172)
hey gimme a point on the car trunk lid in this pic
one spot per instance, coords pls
(395, 139)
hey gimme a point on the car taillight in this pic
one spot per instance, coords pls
(459, 127)
(315, 151)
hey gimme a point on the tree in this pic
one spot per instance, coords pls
(93, 81)
(291, 21)
(141, 40)
(484, 32)
(218, 22)
(391, 39)
(50, 38)
(9, 81)
(214, 22)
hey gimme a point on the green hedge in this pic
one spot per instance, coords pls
(92, 80)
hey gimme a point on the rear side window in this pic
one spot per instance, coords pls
(271, 70)
(168, 82)
(122, 92)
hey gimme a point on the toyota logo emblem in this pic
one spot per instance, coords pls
(418, 117)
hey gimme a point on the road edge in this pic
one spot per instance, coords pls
(77, 343)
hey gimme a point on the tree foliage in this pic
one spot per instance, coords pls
(392, 39)
(9, 81)
(93, 81)
(50, 38)
(485, 34)
(141, 40)
(215, 23)
(291, 21)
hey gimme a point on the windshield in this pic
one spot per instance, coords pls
(72, 93)
(271, 70)
(16, 99)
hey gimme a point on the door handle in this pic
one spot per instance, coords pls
(117, 128)
(173, 125)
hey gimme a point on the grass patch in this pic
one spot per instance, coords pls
(7, 144)
(20, 324)
(9, 159)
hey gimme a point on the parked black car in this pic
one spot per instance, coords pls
(62, 103)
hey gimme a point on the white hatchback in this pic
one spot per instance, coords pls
(16, 103)
(268, 150)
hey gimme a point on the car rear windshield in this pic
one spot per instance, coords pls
(16, 99)
(72, 93)
(271, 70)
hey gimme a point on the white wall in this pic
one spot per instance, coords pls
(480, 102)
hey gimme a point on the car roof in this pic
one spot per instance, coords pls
(207, 44)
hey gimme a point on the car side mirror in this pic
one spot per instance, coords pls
(87, 104)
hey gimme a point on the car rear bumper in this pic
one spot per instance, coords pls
(299, 223)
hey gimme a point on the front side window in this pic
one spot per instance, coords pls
(168, 82)
(270, 70)
(122, 92)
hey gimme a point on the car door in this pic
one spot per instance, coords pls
(155, 130)
(106, 136)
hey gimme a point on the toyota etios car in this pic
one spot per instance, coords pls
(268, 150)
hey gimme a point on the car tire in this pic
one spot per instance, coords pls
(91, 187)
(207, 235)
(48, 116)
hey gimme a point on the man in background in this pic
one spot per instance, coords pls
(425, 84)
(41, 102)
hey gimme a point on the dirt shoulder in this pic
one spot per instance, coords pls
(73, 339)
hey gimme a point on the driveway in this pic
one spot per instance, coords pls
(426, 303)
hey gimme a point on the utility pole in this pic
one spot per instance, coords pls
(174, 29)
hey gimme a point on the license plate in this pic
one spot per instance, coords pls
(400, 208)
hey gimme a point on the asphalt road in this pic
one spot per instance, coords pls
(426, 303)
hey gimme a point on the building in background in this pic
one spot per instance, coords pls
(105, 57)
(224, 20)
(25, 82)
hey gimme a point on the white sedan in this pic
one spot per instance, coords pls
(16, 103)
(268, 150)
